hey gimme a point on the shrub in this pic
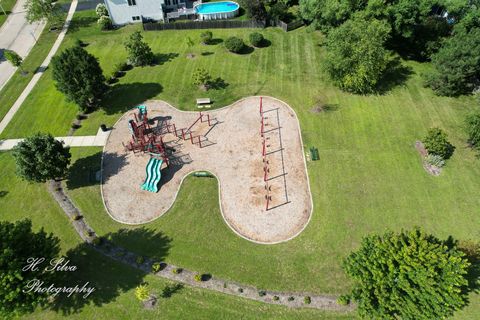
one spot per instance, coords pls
(343, 300)
(262, 293)
(202, 78)
(307, 300)
(140, 260)
(436, 143)
(105, 23)
(206, 37)
(240, 290)
(120, 67)
(157, 266)
(76, 217)
(256, 39)
(234, 44)
(473, 129)
(276, 298)
(435, 160)
(141, 292)
(101, 10)
(198, 277)
(177, 270)
(291, 298)
(225, 285)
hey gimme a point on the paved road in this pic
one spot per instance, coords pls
(16, 34)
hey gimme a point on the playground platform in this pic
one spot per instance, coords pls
(230, 147)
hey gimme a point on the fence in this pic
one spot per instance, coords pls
(289, 26)
(212, 24)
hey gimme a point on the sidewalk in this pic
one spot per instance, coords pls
(9, 116)
(18, 35)
(80, 141)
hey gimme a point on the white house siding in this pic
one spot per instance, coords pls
(121, 13)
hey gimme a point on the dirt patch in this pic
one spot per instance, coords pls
(231, 148)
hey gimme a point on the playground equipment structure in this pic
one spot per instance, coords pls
(146, 137)
(267, 160)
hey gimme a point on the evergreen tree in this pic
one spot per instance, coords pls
(139, 52)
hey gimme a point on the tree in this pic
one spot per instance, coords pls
(78, 75)
(41, 10)
(40, 157)
(18, 245)
(206, 37)
(436, 142)
(202, 78)
(139, 52)
(456, 64)
(14, 58)
(255, 9)
(473, 129)
(407, 275)
(105, 23)
(356, 58)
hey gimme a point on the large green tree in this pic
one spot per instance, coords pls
(139, 52)
(41, 10)
(407, 275)
(19, 245)
(356, 58)
(40, 157)
(78, 75)
(456, 64)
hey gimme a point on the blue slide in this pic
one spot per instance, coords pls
(154, 175)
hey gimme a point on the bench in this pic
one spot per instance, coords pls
(201, 101)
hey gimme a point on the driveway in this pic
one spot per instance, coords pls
(16, 34)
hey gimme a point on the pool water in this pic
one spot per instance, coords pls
(217, 7)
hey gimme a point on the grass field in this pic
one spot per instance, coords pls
(369, 177)
(115, 283)
(7, 5)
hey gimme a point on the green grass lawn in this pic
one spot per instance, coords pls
(7, 5)
(369, 177)
(15, 86)
(114, 282)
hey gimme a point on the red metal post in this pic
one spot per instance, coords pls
(265, 173)
(191, 138)
(199, 142)
(174, 130)
(201, 116)
(208, 118)
(183, 134)
(264, 150)
(261, 105)
(267, 202)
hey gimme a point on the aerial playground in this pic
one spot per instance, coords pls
(253, 147)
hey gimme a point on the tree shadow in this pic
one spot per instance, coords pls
(84, 171)
(97, 268)
(207, 53)
(246, 50)
(472, 254)
(80, 22)
(217, 84)
(265, 43)
(396, 74)
(161, 58)
(124, 96)
(171, 289)
(3, 193)
(215, 41)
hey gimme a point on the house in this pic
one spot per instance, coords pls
(131, 11)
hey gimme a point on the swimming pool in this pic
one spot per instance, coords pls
(217, 10)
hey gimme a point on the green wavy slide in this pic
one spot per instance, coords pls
(154, 175)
